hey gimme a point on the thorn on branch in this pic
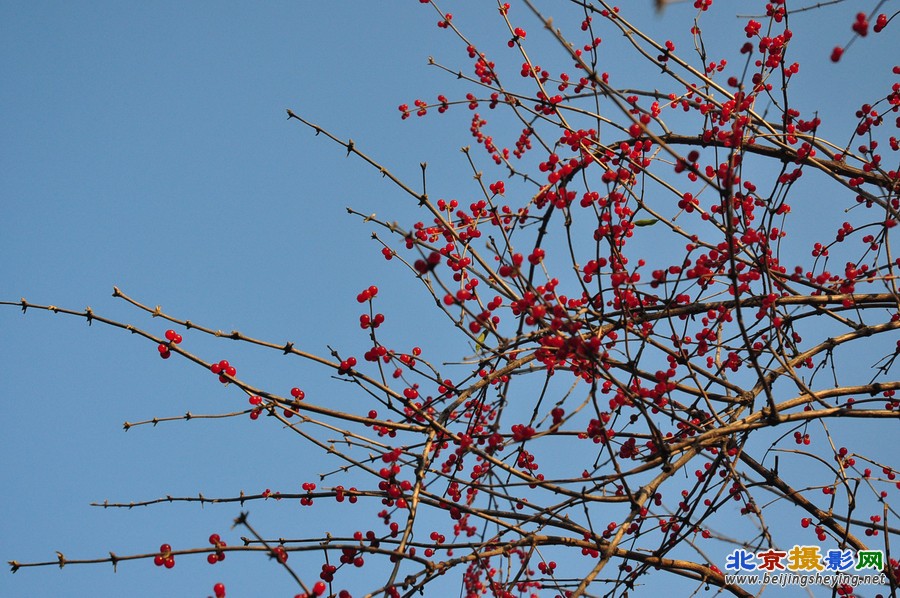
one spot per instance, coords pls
(126, 425)
(61, 559)
(117, 292)
(13, 566)
(288, 347)
(114, 560)
(24, 305)
(89, 315)
(242, 520)
(349, 146)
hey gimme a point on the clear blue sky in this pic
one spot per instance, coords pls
(145, 145)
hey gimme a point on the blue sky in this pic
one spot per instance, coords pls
(145, 145)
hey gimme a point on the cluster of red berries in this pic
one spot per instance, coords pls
(219, 590)
(223, 369)
(547, 568)
(367, 294)
(428, 264)
(801, 438)
(518, 33)
(347, 365)
(219, 554)
(422, 106)
(257, 406)
(861, 24)
(165, 557)
(308, 487)
(280, 553)
(366, 322)
(298, 395)
(340, 493)
(164, 348)
(327, 574)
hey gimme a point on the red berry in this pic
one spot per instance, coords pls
(319, 588)
(170, 335)
(170, 562)
(165, 548)
(212, 559)
(214, 539)
(219, 590)
(298, 394)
